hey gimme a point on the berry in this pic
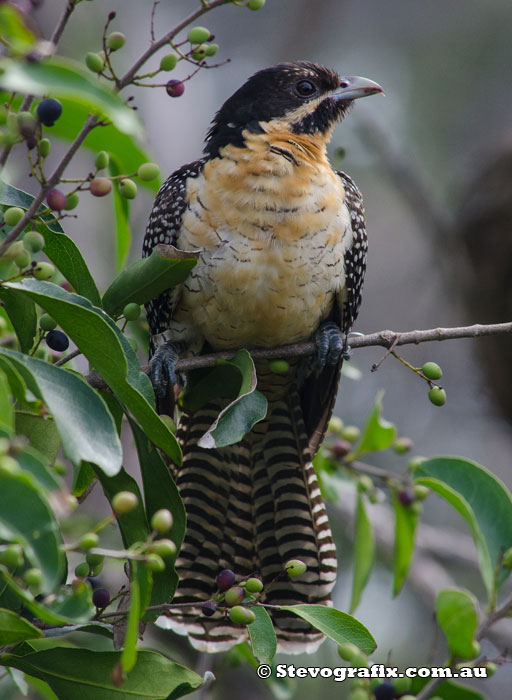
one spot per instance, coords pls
(415, 463)
(124, 502)
(94, 559)
(162, 520)
(476, 649)
(168, 62)
(340, 449)
(406, 497)
(12, 556)
(402, 685)
(82, 570)
(94, 62)
(209, 608)
(437, 396)
(348, 651)
(100, 186)
(14, 249)
(164, 548)
(45, 147)
(199, 53)
(197, 35)
(255, 4)
(365, 483)
(128, 189)
(335, 425)
(131, 312)
(421, 492)
(431, 370)
(175, 88)
(102, 160)
(101, 598)
(89, 540)
(49, 111)
(72, 201)
(241, 616)
(225, 579)
(148, 171)
(403, 445)
(384, 691)
(211, 49)
(491, 668)
(43, 271)
(27, 124)
(155, 562)
(279, 366)
(350, 433)
(22, 259)
(57, 340)
(116, 41)
(33, 578)
(234, 596)
(13, 215)
(56, 200)
(33, 241)
(253, 585)
(295, 567)
(9, 465)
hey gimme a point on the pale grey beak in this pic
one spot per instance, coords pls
(352, 87)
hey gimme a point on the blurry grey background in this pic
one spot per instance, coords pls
(446, 70)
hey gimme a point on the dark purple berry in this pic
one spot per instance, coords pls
(56, 200)
(57, 340)
(209, 608)
(101, 598)
(175, 88)
(384, 691)
(225, 579)
(406, 497)
(340, 449)
(49, 111)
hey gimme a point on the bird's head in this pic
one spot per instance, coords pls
(303, 98)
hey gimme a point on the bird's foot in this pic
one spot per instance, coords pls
(163, 367)
(330, 345)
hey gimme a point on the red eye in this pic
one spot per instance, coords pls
(305, 88)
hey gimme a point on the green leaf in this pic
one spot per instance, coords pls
(41, 431)
(483, 500)
(14, 30)
(34, 526)
(263, 636)
(129, 655)
(101, 341)
(18, 386)
(335, 624)
(62, 77)
(406, 521)
(121, 208)
(237, 419)
(87, 674)
(73, 604)
(147, 278)
(6, 407)
(14, 628)
(281, 688)
(378, 433)
(364, 552)
(82, 478)
(78, 410)
(32, 461)
(456, 612)
(22, 314)
(449, 690)
(207, 383)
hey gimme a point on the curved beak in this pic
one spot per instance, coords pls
(352, 87)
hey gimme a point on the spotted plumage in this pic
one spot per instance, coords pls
(282, 254)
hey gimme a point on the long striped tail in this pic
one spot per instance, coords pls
(251, 507)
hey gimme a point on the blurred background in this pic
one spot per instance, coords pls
(433, 160)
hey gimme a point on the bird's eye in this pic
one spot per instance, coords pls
(305, 88)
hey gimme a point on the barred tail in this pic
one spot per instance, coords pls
(251, 507)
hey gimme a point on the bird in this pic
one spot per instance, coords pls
(281, 243)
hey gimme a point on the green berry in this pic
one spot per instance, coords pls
(241, 616)
(96, 570)
(413, 697)
(162, 520)
(403, 445)
(431, 370)
(199, 53)
(420, 492)
(13, 215)
(437, 396)
(94, 559)
(416, 508)
(89, 540)
(279, 366)
(295, 567)
(234, 596)
(22, 259)
(415, 463)
(124, 502)
(100, 186)
(359, 694)
(12, 556)
(476, 649)
(168, 62)
(211, 49)
(72, 201)
(26, 123)
(402, 685)
(255, 4)
(43, 271)
(9, 465)
(131, 312)
(164, 548)
(491, 668)
(335, 425)
(59, 467)
(82, 569)
(128, 189)
(45, 147)
(33, 578)
(148, 171)
(253, 585)
(116, 41)
(197, 35)
(102, 160)
(348, 651)
(47, 323)
(14, 249)
(33, 241)
(155, 562)
(350, 433)
(365, 483)
(94, 62)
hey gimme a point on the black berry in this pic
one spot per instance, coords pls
(225, 579)
(49, 111)
(385, 691)
(406, 497)
(175, 88)
(101, 598)
(57, 340)
(209, 608)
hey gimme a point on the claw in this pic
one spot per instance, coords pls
(330, 344)
(163, 368)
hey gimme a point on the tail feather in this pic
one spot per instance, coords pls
(251, 507)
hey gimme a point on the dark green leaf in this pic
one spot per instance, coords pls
(449, 690)
(14, 628)
(78, 410)
(263, 636)
(18, 386)
(147, 278)
(406, 521)
(28, 600)
(122, 218)
(34, 462)
(223, 381)
(364, 552)
(87, 674)
(378, 433)
(73, 603)
(129, 655)
(456, 612)
(62, 77)
(41, 431)
(22, 314)
(335, 624)
(100, 628)
(83, 477)
(6, 407)
(281, 688)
